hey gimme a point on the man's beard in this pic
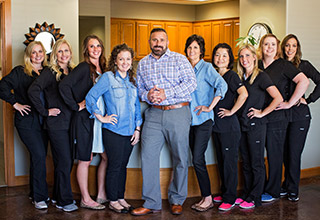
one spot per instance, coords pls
(157, 52)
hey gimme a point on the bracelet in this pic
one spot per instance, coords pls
(137, 130)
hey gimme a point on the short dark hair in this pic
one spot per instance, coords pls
(157, 30)
(199, 40)
(225, 46)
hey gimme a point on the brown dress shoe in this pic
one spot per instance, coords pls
(176, 209)
(143, 211)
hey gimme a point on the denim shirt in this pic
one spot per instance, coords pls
(209, 85)
(121, 98)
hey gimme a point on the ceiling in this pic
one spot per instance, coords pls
(182, 2)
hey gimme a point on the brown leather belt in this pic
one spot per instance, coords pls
(169, 107)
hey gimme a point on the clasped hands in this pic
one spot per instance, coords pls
(156, 95)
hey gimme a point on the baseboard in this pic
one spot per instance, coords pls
(134, 180)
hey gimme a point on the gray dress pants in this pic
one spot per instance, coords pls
(160, 126)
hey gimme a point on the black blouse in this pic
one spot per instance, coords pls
(75, 86)
(47, 83)
(281, 72)
(230, 123)
(302, 112)
(13, 89)
(257, 95)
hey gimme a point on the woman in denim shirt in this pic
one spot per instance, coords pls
(211, 88)
(121, 124)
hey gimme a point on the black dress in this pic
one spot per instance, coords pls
(73, 89)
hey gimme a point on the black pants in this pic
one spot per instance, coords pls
(35, 141)
(252, 150)
(295, 141)
(227, 147)
(118, 150)
(276, 135)
(62, 160)
(198, 140)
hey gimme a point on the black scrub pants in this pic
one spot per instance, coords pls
(227, 148)
(34, 140)
(62, 160)
(118, 150)
(198, 140)
(252, 145)
(296, 137)
(276, 136)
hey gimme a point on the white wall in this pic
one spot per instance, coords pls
(303, 20)
(219, 10)
(25, 14)
(271, 12)
(152, 11)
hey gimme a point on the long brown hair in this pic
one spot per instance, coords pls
(260, 53)
(28, 67)
(102, 59)
(54, 60)
(113, 57)
(297, 57)
(242, 70)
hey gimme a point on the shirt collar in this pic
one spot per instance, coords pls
(198, 65)
(168, 53)
(118, 75)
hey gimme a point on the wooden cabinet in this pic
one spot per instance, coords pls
(123, 31)
(142, 40)
(185, 31)
(172, 29)
(204, 29)
(136, 34)
(236, 32)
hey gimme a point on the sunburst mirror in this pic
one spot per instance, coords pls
(45, 33)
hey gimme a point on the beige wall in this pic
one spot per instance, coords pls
(220, 10)
(152, 11)
(271, 12)
(98, 8)
(303, 20)
(25, 14)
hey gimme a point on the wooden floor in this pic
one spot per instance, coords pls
(15, 204)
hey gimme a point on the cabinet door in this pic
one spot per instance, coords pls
(173, 35)
(115, 33)
(128, 33)
(227, 33)
(236, 27)
(156, 24)
(185, 31)
(142, 40)
(204, 29)
(216, 33)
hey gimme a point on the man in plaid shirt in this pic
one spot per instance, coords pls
(165, 80)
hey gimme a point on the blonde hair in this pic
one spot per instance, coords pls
(242, 70)
(260, 53)
(54, 59)
(28, 66)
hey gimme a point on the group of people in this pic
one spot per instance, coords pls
(94, 108)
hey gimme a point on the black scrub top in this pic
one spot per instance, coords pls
(18, 82)
(47, 83)
(257, 95)
(281, 73)
(230, 123)
(302, 112)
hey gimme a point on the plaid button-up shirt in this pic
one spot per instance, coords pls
(171, 72)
